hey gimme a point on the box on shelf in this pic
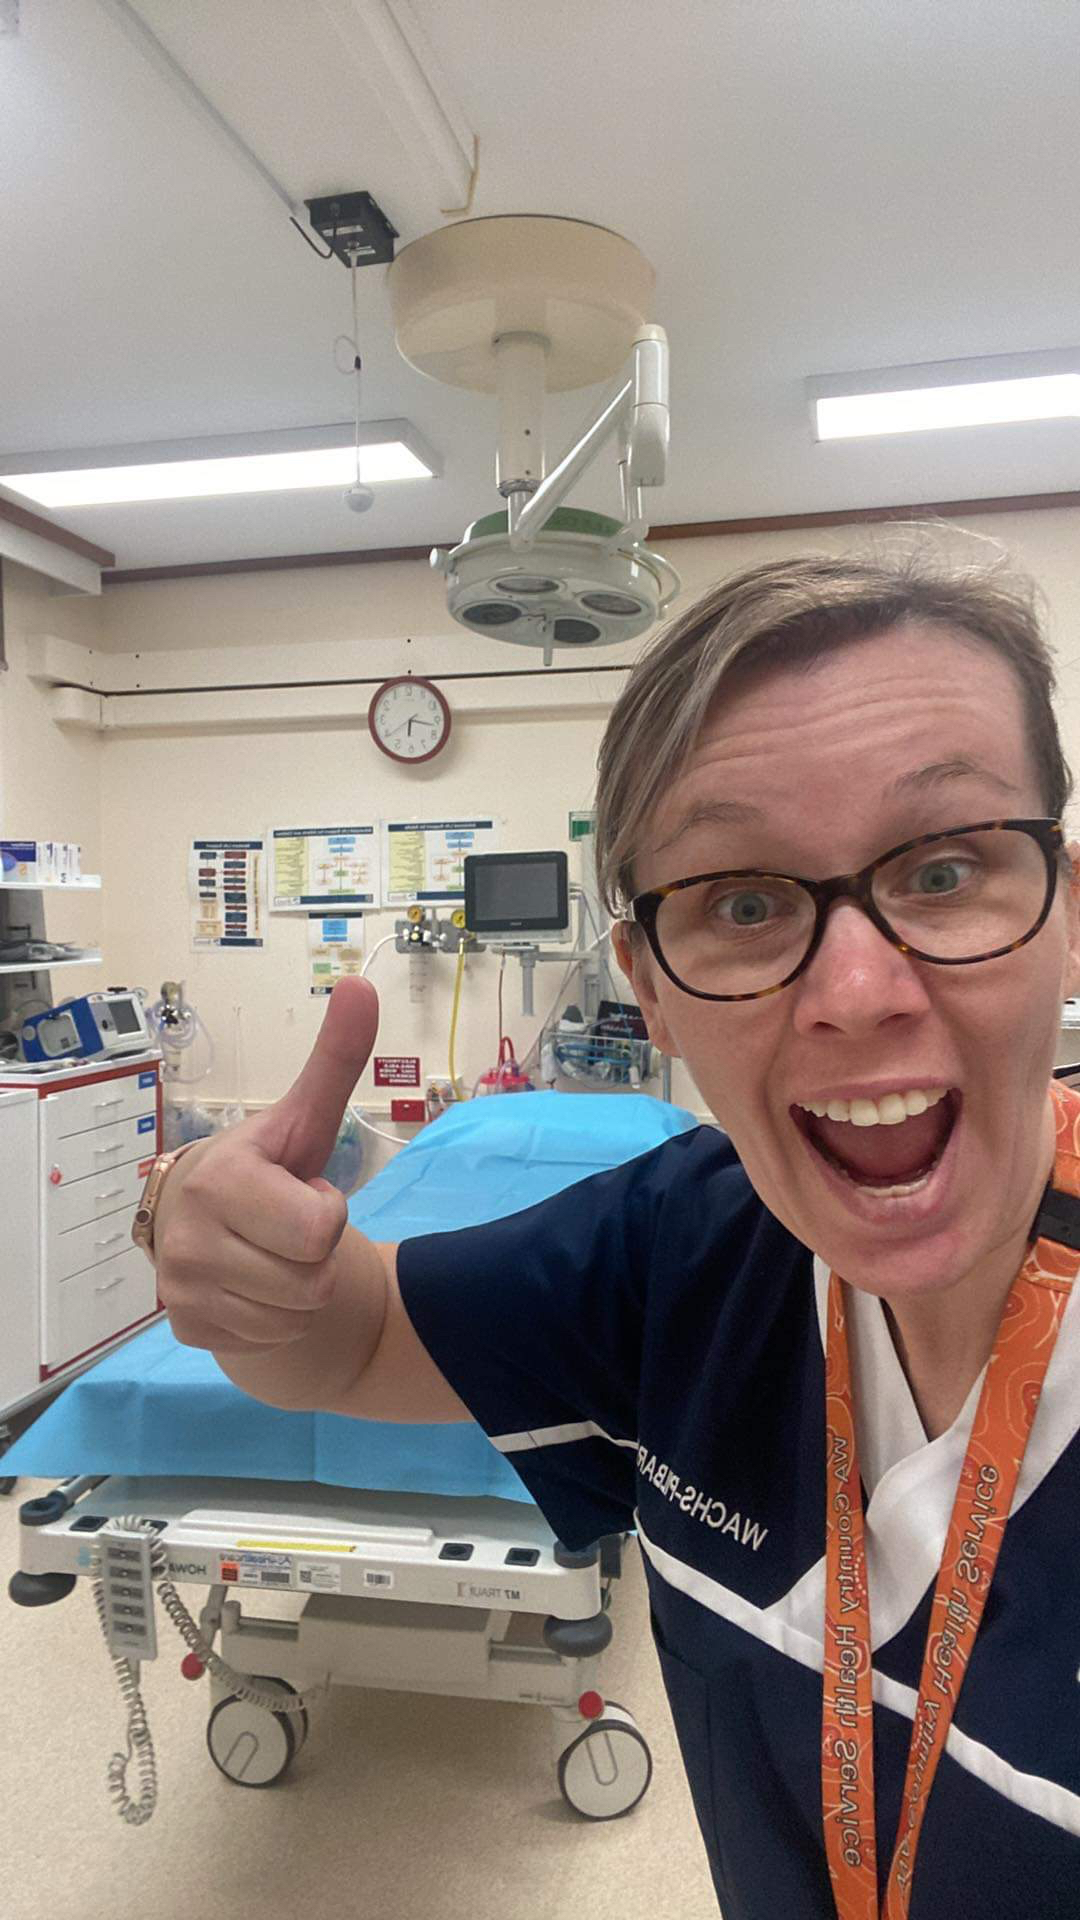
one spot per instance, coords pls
(40, 863)
(19, 860)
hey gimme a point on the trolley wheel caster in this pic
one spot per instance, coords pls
(7, 1486)
(607, 1767)
(253, 1746)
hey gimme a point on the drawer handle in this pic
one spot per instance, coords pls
(109, 1193)
(109, 1284)
(116, 1101)
(115, 1148)
(118, 1235)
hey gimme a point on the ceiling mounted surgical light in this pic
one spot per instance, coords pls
(521, 305)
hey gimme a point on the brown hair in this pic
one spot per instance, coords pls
(788, 613)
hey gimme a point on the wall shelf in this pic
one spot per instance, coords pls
(90, 883)
(51, 966)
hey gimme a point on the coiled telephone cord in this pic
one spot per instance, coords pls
(140, 1746)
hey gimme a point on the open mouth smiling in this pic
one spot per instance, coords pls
(887, 1146)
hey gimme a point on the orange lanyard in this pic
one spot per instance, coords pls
(1003, 1421)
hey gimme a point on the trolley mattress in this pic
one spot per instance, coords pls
(155, 1407)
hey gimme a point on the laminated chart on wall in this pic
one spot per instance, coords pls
(425, 859)
(224, 887)
(335, 948)
(322, 866)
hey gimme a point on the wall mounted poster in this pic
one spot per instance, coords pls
(323, 867)
(335, 948)
(425, 859)
(224, 888)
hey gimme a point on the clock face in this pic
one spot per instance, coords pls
(409, 719)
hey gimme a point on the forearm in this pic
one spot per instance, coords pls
(343, 1336)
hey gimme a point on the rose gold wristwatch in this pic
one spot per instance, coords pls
(142, 1227)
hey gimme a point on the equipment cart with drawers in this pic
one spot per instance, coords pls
(76, 1143)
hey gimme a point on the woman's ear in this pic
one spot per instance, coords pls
(636, 961)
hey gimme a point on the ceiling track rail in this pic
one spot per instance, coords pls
(385, 45)
(157, 55)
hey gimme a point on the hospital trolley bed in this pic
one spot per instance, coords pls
(421, 1561)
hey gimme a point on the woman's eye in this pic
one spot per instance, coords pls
(745, 909)
(942, 876)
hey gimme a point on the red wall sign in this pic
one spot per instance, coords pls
(396, 1070)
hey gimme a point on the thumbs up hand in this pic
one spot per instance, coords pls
(299, 1132)
(247, 1234)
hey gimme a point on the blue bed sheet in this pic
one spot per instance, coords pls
(154, 1407)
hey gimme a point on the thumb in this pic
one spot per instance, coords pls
(299, 1131)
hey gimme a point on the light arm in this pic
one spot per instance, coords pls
(640, 409)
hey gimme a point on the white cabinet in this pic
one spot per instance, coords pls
(125, 1097)
(82, 1200)
(76, 1144)
(82, 1156)
(20, 1286)
(86, 1309)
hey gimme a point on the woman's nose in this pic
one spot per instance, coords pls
(857, 978)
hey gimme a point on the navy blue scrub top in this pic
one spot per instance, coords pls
(646, 1349)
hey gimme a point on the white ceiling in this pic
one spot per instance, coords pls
(821, 185)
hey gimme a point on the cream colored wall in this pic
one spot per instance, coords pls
(236, 764)
(526, 764)
(161, 793)
(50, 779)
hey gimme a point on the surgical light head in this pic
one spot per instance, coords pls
(573, 587)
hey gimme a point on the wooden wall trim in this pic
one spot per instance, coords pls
(854, 516)
(48, 530)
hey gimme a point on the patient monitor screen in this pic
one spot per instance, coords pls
(125, 1018)
(515, 893)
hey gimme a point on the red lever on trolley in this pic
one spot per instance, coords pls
(192, 1667)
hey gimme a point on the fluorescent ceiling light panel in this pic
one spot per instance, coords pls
(964, 393)
(194, 479)
(190, 470)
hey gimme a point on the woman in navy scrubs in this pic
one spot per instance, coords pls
(817, 1356)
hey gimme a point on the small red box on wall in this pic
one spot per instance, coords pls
(408, 1110)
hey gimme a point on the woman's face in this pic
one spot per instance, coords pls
(818, 754)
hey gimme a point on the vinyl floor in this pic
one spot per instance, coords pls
(399, 1806)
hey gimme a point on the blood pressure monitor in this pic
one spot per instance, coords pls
(110, 1023)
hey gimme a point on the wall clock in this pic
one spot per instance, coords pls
(409, 719)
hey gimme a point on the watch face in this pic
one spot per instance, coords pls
(409, 719)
